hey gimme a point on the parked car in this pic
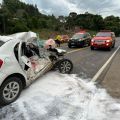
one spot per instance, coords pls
(80, 39)
(21, 62)
(64, 38)
(103, 39)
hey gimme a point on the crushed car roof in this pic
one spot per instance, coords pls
(24, 36)
(5, 38)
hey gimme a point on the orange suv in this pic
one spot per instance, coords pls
(103, 39)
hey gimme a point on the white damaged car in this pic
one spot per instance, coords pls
(21, 62)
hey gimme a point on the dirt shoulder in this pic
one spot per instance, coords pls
(111, 81)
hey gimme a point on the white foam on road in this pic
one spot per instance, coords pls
(62, 97)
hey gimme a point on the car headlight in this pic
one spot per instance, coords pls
(108, 40)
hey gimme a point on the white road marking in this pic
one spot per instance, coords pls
(94, 79)
(76, 50)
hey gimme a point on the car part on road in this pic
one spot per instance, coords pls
(63, 65)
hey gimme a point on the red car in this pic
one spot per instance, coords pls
(103, 39)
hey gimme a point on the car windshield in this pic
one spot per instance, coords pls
(77, 36)
(103, 34)
(1, 43)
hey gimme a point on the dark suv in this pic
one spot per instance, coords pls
(80, 39)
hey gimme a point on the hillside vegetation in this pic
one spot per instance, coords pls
(16, 16)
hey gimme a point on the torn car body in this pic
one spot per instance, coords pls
(21, 63)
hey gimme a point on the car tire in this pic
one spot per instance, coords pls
(113, 45)
(83, 44)
(110, 48)
(65, 66)
(92, 48)
(88, 43)
(10, 90)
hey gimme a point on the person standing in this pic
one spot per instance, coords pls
(58, 40)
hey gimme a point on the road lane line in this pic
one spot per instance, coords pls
(94, 79)
(76, 50)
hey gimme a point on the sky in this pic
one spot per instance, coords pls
(64, 7)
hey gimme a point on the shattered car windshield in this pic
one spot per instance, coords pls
(1, 43)
(104, 34)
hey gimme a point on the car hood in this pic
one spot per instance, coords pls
(75, 38)
(102, 38)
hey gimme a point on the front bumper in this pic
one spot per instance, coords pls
(106, 45)
(75, 43)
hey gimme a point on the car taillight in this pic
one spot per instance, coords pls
(1, 63)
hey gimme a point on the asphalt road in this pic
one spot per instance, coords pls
(87, 62)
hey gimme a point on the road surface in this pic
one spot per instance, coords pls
(87, 62)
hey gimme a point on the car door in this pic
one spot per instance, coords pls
(33, 65)
(86, 39)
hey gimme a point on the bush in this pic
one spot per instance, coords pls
(20, 27)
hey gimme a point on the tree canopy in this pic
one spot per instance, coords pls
(17, 16)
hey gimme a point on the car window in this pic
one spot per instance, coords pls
(77, 36)
(1, 43)
(103, 34)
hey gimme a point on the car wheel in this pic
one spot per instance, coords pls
(83, 44)
(10, 90)
(113, 45)
(65, 66)
(110, 48)
(92, 48)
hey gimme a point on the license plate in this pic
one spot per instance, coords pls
(99, 43)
